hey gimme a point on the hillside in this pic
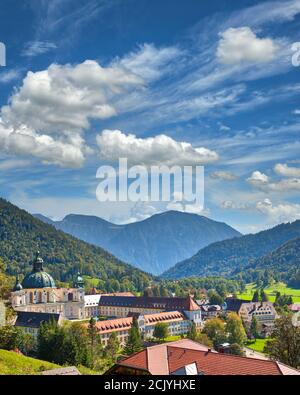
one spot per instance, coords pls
(284, 258)
(230, 256)
(154, 244)
(21, 233)
(14, 364)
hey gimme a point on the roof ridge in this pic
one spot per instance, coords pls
(229, 355)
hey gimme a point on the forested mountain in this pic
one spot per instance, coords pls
(284, 261)
(229, 257)
(154, 244)
(21, 234)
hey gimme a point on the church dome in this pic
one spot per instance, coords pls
(18, 286)
(38, 278)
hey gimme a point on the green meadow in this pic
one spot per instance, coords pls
(271, 292)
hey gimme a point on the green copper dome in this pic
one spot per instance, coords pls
(18, 286)
(38, 278)
(79, 282)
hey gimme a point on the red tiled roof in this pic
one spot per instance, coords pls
(120, 324)
(164, 317)
(138, 359)
(167, 358)
(210, 363)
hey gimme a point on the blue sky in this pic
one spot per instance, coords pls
(165, 80)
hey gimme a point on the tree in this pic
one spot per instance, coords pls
(254, 327)
(11, 337)
(237, 349)
(214, 328)
(202, 338)
(285, 343)
(255, 297)
(235, 329)
(92, 333)
(215, 298)
(66, 344)
(161, 330)
(134, 341)
(113, 346)
(192, 333)
(263, 296)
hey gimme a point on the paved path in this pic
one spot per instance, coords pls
(254, 354)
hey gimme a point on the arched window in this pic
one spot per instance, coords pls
(70, 297)
(31, 297)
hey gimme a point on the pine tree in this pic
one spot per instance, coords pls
(92, 333)
(255, 297)
(113, 346)
(134, 341)
(263, 296)
(192, 333)
(254, 327)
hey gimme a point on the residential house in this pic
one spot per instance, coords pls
(186, 357)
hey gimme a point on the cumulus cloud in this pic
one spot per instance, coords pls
(283, 212)
(47, 116)
(161, 149)
(24, 141)
(258, 179)
(241, 44)
(262, 181)
(65, 97)
(223, 175)
(287, 171)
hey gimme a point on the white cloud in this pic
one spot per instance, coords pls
(223, 175)
(161, 149)
(47, 116)
(10, 164)
(24, 141)
(65, 97)
(257, 179)
(283, 212)
(149, 62)
(9, 75)
(287, 171)
(231, 205)
(262, 181)
(242, 45)
(34, 48)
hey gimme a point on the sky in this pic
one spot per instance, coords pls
(158, 82)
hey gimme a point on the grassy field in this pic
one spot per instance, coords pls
(271, 292)
(12, 363)
(258, 345)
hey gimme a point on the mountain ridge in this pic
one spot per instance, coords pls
(21, 233)
(153, 244)
(229, 256)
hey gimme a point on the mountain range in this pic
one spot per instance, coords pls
(21, 234)
(266, 249)
(153, 245)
